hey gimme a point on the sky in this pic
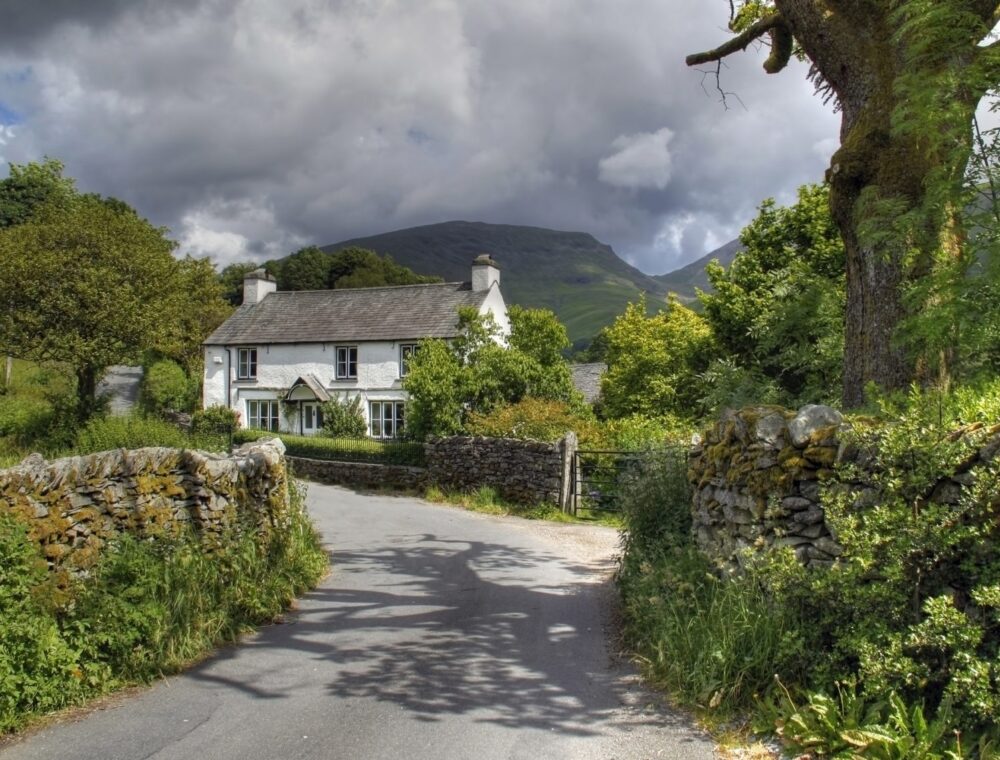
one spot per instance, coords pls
(250, 128)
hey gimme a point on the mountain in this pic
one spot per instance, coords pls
(579, 278)
(685, 280)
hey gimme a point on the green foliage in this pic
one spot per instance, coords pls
(136, 431)
(851, 726)
(146, 609)
(87, 285)
(778, 310)
(166, 388)
(343, 418)
(197, 305)
(475, 374)
(39, 669)
(215, 420)
(30, 187)
(536, 419)
(654, 361)
(434, 380)
(306, 269)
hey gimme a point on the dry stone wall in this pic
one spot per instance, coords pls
(756, 478)
(74, 506)
(527, 472)
(757, 474)
(359, 474)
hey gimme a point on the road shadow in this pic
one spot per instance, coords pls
(443, 627)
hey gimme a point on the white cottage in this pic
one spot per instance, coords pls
(282, 354)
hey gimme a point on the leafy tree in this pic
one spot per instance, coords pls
(778, 309)
(907, 77)
(30, 186)
(88, 285)
(474, 374)
(197, 306)
(306, 269)
(435, 381)
(654, 361)
(231, 281)
(360, 268)
(343, 418)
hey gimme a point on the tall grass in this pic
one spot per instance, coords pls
(713, 640)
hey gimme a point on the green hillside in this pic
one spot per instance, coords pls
(579, 278)
(687, 279)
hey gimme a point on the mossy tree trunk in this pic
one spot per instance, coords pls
(907, 76)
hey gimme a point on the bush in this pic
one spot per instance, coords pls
(39, 670)
(216, 420)
(166, 388)
(344, 419)
(137, 431)
(535, 419)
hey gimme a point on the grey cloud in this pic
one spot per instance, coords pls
(248, 126)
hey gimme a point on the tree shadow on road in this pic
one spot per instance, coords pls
(443, 627)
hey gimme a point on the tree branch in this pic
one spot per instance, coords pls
(738, 43)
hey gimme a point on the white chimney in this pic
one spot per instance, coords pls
(257, 285)
(485, 272)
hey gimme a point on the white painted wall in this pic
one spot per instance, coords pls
(278, 366)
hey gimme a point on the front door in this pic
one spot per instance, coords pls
(312, 419)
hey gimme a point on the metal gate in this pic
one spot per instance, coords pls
(597, 477)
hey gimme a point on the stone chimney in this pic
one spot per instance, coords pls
(257, 285)
(485, 272)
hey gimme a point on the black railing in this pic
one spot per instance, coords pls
(343, 448)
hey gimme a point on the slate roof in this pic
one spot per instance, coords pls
(587, 379)
(401, 312)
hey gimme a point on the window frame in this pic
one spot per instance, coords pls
(378, 423)
(255, 413)
(246, 356)
(346, 363)
(405, 355)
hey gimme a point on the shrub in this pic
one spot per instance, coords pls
(137, 431)
(344, 419)
(215, 420)
(535, 419)
(166, 388)
(39, 670)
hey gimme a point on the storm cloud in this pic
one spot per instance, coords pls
(252, 127)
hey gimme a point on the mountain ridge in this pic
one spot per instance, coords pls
(572, 273)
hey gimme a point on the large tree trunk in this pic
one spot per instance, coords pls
(87, 378)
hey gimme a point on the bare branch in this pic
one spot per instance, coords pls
(723, 94)
(740, 42)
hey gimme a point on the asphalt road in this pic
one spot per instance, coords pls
(439, 634)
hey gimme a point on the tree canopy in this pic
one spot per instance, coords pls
(654, 361)
(907, 77)
(89, 284)
(778, 309)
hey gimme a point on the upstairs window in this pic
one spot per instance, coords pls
(246, 366)
(406, 352)
(347, 362)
